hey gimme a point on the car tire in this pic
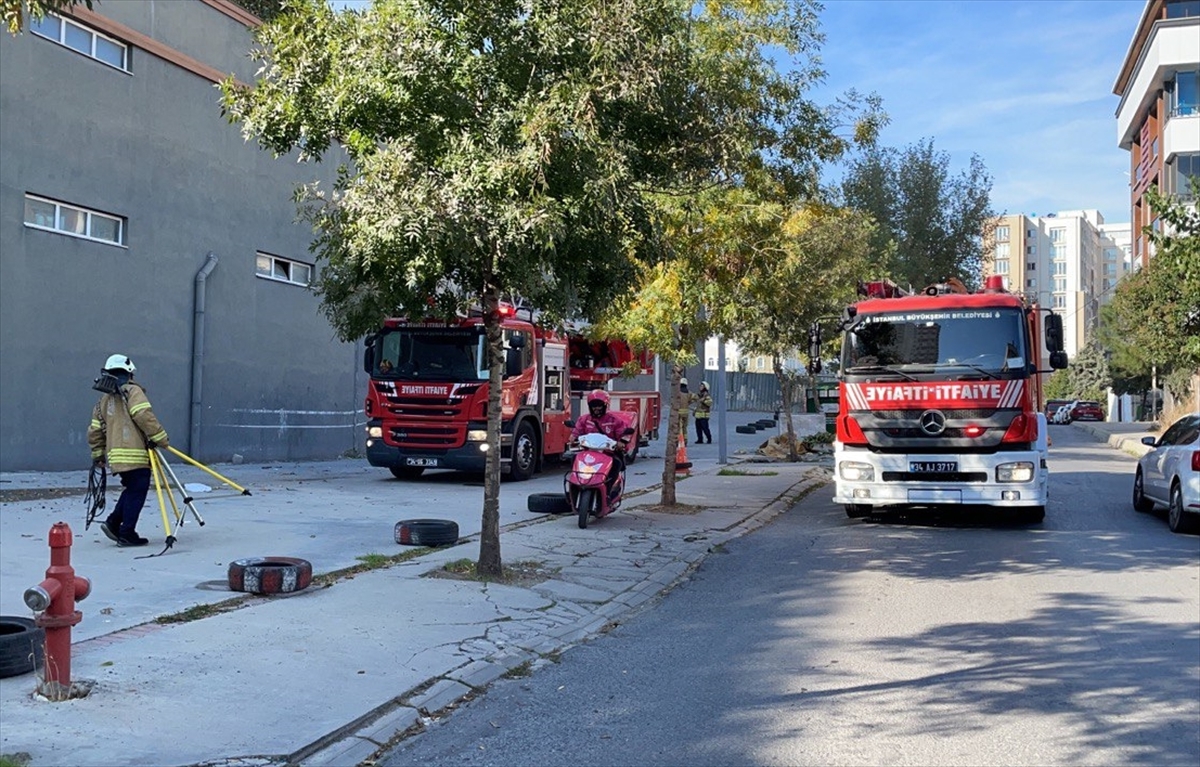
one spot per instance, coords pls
(857, 510)
(746, 430)
(523, 457)
(270, 575)
(1179, 520)
(407, 472)
(426, 532)
(548, 503)
(22, 645)
(1141, 503)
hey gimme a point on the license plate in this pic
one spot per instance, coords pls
(420, 462)
(926, 467)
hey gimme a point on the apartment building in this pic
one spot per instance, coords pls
(1062, 261)
(1158, 118)
(135, 219)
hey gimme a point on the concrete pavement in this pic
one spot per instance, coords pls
(186, 672)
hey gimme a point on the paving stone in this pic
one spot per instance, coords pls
(441, 694)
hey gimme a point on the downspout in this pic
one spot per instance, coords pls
(198, 351)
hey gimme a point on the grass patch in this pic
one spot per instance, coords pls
(199, 612)
(374, 561)
(520, 671)
(524, 573)
(15, 760)
(740, 473)
(367, 563)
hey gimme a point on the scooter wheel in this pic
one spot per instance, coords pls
(586, 500)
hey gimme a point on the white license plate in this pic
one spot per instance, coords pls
(420, 462)
(930, 467)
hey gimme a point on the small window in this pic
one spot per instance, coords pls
(1030, 266)
(1060, 302)
(43, 213)
(1030, 250)
(1002, 250)
(1002, 267)
(1058, 234)
(85, 40)
(282, 269)
(1002, 234)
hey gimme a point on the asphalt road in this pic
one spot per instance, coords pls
(920, 640)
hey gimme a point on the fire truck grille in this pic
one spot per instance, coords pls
(942, 476)
(915, 415)
(426, 435)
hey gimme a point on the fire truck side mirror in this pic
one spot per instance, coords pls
(1058, 360)
(369, 357)
(1054, 333)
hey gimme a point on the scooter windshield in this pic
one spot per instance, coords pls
(597, 441)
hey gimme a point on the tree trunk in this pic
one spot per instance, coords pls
(489, 563)
(786, 395)
(668, 476)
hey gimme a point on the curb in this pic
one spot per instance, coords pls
(1126, 444)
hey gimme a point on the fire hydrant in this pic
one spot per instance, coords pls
(54, 601)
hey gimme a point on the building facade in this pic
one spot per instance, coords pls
(1158, 118)
(1067, 261)
(135, 219)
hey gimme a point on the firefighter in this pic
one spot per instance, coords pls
(122, 432)
(685, 405)
(704, 402)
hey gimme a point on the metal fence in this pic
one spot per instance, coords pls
(759, 391)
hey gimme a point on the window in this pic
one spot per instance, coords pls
(283, 269)
(44, 213)
(79, 38)
(1058, 267)
(1057, 234)
(1185, 98)
(1029, 233)
(1031, 283)
(1002, 267)
(1059, 252)
(1002, 250)
(1060, 284)
(1060, 302)
(1179, 172)
(759, 363)
(1002, 234)
(1182, 9)
(1030, 266)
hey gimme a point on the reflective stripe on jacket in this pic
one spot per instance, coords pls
(703, 405)
(121, 426)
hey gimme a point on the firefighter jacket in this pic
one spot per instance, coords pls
(704, 403)
(122, 425)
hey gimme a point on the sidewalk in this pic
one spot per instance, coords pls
(1126, 437)
(329, 675)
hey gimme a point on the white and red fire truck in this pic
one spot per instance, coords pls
(427, 397)
(940, 399)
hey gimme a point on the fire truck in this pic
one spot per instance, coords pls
(940, 396)
(427, 397)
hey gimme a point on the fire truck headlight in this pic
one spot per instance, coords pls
(375, 432)
(855, 471)
(477, 435)
(1021, 471)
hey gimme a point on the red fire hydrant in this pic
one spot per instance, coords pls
(54, 601)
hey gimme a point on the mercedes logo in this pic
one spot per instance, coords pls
(933, 422)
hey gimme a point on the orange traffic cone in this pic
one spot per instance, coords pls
(682, 464)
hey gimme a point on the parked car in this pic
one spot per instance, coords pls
(1086, 410)
(1052, 406)
(1169, 475)
(1063, 414)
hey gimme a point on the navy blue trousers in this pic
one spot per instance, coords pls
(129, 506)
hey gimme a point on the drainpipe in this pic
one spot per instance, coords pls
(198, 351)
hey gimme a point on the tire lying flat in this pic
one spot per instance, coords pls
(426, 532)
(548, 503)
(270, 575)
(22, 645)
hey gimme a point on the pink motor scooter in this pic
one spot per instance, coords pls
(585, 484)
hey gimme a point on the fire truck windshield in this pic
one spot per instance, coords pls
(430, 354)
(990, 341)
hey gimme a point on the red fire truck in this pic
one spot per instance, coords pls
(427, 398)
(940, 399)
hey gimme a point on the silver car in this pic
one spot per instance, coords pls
(1169, 475)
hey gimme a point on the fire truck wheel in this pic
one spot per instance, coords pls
(857, 510)
(524, 453)
(746, 430)
(22, 645)
(427, 532)
(270, 575)
(548, 503)
(407, 472)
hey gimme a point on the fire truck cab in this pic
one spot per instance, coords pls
(940, 400)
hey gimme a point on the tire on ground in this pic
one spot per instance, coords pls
(22, 645)
(427, 532)
(765, 423)
(548, 503)
(270, 575)
(746, 430)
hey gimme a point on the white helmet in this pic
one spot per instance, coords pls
(683, 382)
(119, 362)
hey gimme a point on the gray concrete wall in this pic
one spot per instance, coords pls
(152, 146)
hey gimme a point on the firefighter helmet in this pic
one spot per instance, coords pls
(119, 362)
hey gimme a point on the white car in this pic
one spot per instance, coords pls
(1169, 475)
(1063, 414)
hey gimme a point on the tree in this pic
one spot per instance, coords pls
(492, 148)
(931, 225)
(1153, 320)
(14, 11)
(1088, 373)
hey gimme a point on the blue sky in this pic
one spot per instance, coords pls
(1024, 84)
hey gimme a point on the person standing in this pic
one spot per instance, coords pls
(704, 403)
(123, 431)
(685, 405)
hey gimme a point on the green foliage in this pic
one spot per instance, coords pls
(1153, 320)
(1059, 386)
(1089, 372)
(15, 11)
(930, 223)
(263, 9)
